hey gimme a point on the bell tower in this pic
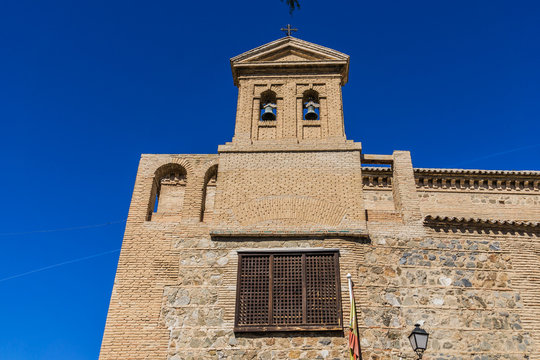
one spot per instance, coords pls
(289, 169)
(289, 91)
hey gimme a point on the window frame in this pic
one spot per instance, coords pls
(269, 327)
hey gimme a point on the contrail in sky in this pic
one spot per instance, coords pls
(59, 264)
(497, 154)
(64, 229)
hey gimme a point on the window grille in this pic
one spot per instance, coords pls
(287, 291)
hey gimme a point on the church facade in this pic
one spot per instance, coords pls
(244, 254)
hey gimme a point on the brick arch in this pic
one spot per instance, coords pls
(165, 168)
(275, 88)
(156, 164)
(301, 209)
(211, 169)
(176, 165)
(310, 93)
(182, 162)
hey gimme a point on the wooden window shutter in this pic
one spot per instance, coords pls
(285, 291)
(253, 290)
(322, 301)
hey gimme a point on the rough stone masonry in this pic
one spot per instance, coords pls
(458, 250)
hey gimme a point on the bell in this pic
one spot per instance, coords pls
(269, 112)
(311, 114)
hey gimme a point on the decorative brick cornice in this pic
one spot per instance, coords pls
(477, 180)
(458, 179)
(319, 233)
(437, 220)
(330, 146)
(478, 172)
(377, 177)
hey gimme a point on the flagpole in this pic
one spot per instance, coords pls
(354, 345)
(349, 280)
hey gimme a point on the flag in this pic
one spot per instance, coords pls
(354, 342)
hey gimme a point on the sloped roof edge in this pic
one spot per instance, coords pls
(480, 221)
(326, 57)
(289, 40)
(478, 171)
(460, 171)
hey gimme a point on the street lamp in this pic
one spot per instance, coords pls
(418, 340)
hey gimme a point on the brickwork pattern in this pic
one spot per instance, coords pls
(148, 261)
(301, 189)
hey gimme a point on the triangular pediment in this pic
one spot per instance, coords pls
(289, 49)
(290, 55)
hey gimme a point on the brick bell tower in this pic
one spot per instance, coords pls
(289, 169)
(290, 72)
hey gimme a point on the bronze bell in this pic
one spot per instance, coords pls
(311, 114)
(268, 112)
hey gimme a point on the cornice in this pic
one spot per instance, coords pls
(318, 60)
(287, 41)
(477, 172)
(437, 220)
(458, 179)
(458, 171)
(226, 233)
(262, 147)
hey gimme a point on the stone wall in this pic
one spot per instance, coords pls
(199, 310)
(460, 285)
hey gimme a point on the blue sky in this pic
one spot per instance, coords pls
(87, 86)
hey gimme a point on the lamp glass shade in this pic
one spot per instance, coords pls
(418, 338)
(412, 340)
(421, 341)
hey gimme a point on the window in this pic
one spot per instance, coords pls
(288, 291)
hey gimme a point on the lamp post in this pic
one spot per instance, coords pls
(418, 340)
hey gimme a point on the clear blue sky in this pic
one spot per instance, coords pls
(87, 86)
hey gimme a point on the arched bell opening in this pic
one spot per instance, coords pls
(311, 105)
(268, 106)
(167, 195)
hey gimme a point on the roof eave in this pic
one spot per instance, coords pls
(341, 67)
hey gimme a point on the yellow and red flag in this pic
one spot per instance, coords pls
(354, 341)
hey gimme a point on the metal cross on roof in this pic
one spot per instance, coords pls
(288, 29)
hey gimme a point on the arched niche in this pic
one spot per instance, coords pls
(167, 196)
(209, 193)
